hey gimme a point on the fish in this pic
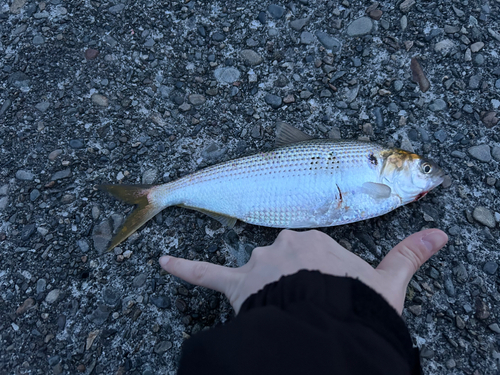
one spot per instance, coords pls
(301, 183)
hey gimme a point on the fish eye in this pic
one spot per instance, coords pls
(426, 168)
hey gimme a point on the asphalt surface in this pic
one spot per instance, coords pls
(145, 92)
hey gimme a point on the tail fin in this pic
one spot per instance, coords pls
(132, 194)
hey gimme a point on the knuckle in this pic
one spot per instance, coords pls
(412, 257)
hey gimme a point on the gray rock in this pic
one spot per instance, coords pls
(497, 84)
(115, 9)
(438, 105)
(83, 245)
(361, 26)
(398, 85)
(273, 100)
(161, 301)
(27, 231)
(111, 296)
(441, 135)
(4, 189)
(110, 40)
(42, 106)
(494, 327)
(100, 100)
(481, 153)
(449, 288)
(479, 59)
(379, 120)
(328, 41)
(306, 37)
(61, 175)
(251, 57)
(448, 29)
(5, 106)
(139, 280)
(218, 36)
(41, 284)
(393, 107)
(276, 11)
(117, 221)
(184, 107)
(38, 40)
(197, 99)
(149, 43)
(227, 75)
(484, 216)
(99, 315)
(76, 144)
(297, 25)
(24, 175)
(149, 176)
(445, 46)
(468, 108)
(305, 94)
(495, 152)
(35, 193)
(101, 235)
(53, 295)
(490, 267)
(475, 81)
(162, 347)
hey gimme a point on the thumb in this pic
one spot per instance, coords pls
(409, 255)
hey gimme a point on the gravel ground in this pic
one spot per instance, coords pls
(147, 91)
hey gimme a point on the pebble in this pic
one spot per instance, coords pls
(458, 12)
(227, 75)
(41, 284)
(99, 315)
(494, 327)
(196, 99)
(459, 322)
(474, 81)
(449, 288)
(35, 193)
(61, 175)
(76, 144)
(162, 302)
(101, 235)
(83, 245)
(116, 9)
(379, 120)
(149, 176)
(218, 36)
(490, 267)
(418, 75)
(375, 14)
(479, 59)
(43, 106)
(53, 295)
(481, 153)
(162, 347)
(38, 40)
(484, 216)
(476, 47)
(438, 105)
(482, 309)
(490, 119)
(494, 102)
(184, 107)
(448, 29)
(91, 54)
(496, 153)
(100, 100)
(276, 11)
(29, 302)
(445, 46)
(404, 23)
(306, 37)
(359, 27)
(24, 175)
(27, 231)
(54, 154)
(262, 17)
(328, 41)
(406, 5)
(111, 296)
(251, 57)
(415, 309)
(273, 100)
(5, 106)
(140, 280)
(298, 24)
(398, 85)
(441, 135)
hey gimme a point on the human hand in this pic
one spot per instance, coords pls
(312, 250)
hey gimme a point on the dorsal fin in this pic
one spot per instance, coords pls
(286, 134)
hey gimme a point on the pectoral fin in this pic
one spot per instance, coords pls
(376, 190)
(286, 134)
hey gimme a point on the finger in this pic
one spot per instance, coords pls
(200, 273)
(409, 255)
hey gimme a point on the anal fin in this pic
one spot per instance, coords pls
(225, 220)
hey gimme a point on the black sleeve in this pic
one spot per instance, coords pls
(306, 323)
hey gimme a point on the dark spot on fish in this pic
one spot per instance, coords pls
(373, 160)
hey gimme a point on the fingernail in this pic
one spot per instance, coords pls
(164, 260)
(434, 241)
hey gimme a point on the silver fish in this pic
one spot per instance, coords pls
(304, 183)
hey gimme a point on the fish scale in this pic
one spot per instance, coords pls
(304, 184)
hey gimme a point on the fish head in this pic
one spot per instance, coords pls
(409, 175)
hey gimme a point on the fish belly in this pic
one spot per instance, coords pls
(304, 186)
